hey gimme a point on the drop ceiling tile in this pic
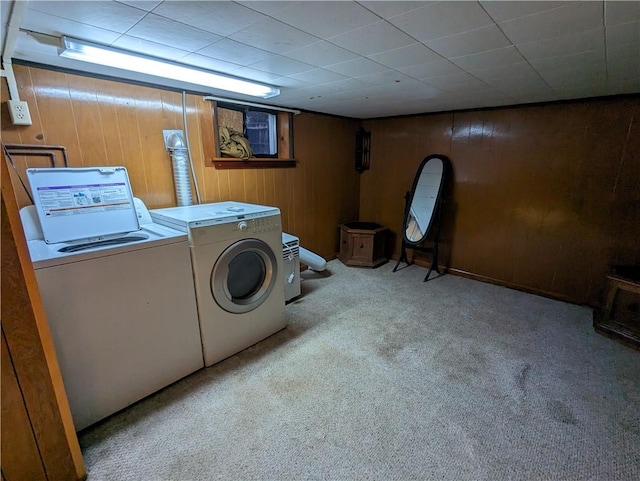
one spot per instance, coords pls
(621, 12)
(326, 19)
(407, 56)
(50, 25)
(321, 54)
(346, 85)
(468, 43)
(565, 44)
(113, 16)
(222, 18)
(501, 11)
(441, 19)
(146, 47)
(210, 63)
(625, 58)
(392, 9)
(147, 5)
(575, 17)
(373, 38)
(624, 34)
(270, 8)
(431, 69)
(235, 52)
(515, 70)
(522, 82)
(257, 75)
(566, 78)
(164, 31)
(273, 36)
(618, 86)
(389, 77)
(358, 66)
(456, 81)
(282, 66)
(318, 76)
(491, 58)
(593, 59)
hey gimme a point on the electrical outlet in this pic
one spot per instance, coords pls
(19, 112)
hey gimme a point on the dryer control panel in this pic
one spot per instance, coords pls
(239, 228)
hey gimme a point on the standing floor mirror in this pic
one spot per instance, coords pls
(423, 207)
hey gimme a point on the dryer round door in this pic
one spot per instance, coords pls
(244, 275)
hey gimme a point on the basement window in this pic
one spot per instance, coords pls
(259, 126)
(268, 133)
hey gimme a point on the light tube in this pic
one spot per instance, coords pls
(111, 57)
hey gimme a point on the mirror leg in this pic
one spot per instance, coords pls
(434, 262)
(402, 258)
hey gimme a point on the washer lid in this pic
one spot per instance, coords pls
(83, 204)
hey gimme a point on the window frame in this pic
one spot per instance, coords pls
(284, 141)
(245, 109)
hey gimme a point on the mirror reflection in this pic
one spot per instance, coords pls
(424, 200)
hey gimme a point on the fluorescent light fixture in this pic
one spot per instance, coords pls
(111, 57)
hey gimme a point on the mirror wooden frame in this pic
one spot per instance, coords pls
(432, 199)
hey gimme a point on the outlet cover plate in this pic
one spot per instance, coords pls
(19, 112)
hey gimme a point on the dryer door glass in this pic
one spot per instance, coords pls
(247, 273)
(244, 275)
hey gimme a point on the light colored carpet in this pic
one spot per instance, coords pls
(380, 376)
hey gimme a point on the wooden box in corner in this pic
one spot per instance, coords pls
(362, 244)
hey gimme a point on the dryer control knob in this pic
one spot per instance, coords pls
(242, 226)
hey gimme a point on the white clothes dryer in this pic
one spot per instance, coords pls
(236, 254)
(121, 308)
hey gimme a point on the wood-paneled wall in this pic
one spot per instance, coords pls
(102, 122)
(38, 436)
(543, 198)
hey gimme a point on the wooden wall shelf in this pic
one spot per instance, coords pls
(227, 163)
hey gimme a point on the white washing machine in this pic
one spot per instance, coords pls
(122, 312)
(236, 253)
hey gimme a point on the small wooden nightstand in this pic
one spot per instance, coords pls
(363, 244)
(620, 317)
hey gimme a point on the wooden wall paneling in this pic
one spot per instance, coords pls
(20, 457)
(214, 184)
(87, 121)
(150, 155)
(534, 203)
(31, 349)
(128, 135)
(482, 232)
(22, 134)
(114, 155)
(303, 150)
(397, 148)
(281, 196)
(250, 180)
(237, 191)
(269, 186)
(624, 215)
(197, 133)
(56, 112)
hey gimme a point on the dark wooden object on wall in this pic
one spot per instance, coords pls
(362, 244)
(363, 150)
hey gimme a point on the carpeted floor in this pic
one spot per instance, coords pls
(380, 376)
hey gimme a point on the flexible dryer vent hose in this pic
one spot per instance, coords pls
(180, 163)
(314, 261)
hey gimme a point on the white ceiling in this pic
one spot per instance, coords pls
(364, 59)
